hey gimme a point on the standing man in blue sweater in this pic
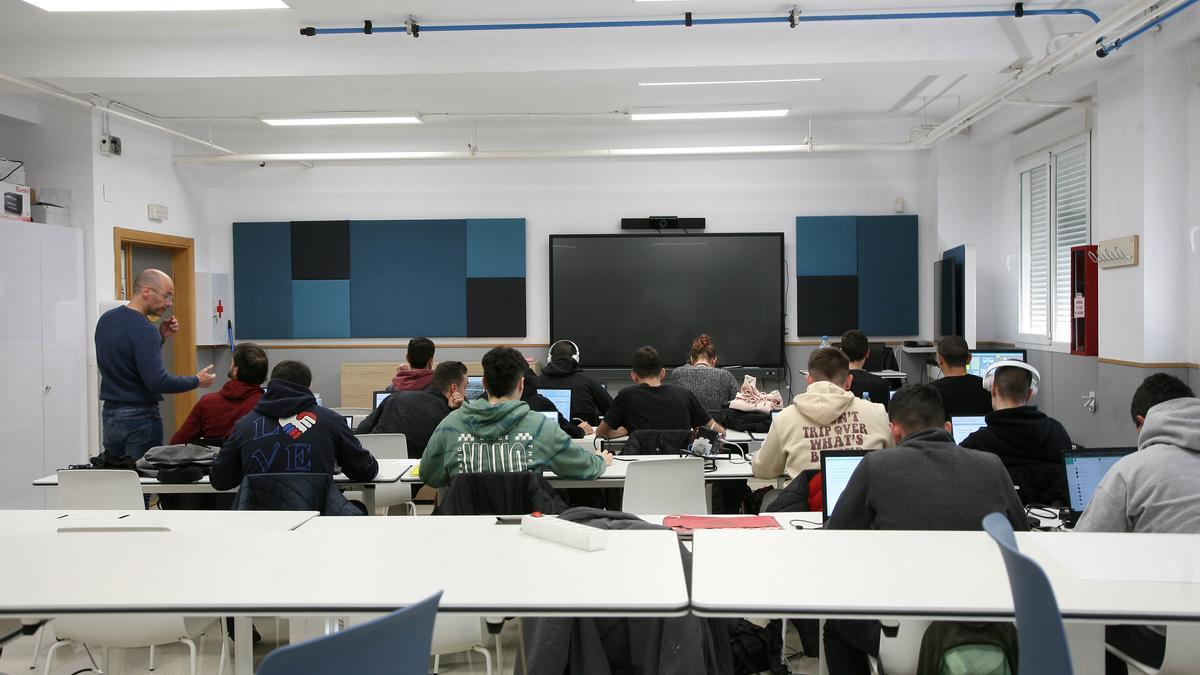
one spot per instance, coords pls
(132, 376)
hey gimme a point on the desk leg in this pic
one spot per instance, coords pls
(368, 493)
(1086, 643)
(243, 646)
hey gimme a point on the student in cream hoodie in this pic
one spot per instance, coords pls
(825, 417)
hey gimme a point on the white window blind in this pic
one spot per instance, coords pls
(1035, 250)
(1070, 228)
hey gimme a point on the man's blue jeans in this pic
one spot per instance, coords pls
(130, 431)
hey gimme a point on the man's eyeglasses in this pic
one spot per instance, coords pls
(167, 296)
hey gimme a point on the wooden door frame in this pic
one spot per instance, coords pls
(183, 274)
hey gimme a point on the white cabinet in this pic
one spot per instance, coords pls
(213, 312)
(43, 356)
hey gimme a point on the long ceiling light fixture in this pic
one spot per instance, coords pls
(154, 5)
(710, 115)
(710, 82)
(340, 121)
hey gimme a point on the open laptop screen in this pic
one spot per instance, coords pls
(378, 398)
(475, 387)
(836, 468)
(561, 398)
(1085, 470)
(965, 426)
(981, 360)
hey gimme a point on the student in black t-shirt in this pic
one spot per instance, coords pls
(856, 348)
(650, 404)
(962, 394)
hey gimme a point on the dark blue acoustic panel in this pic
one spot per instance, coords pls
(888, 298)
(262, 280)
(408, 277)
(826, 246)
(320, 249)
(496, 307)
(321, 308)
(496, 248)
(826, 305)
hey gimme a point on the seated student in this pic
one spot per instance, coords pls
(418, 372)
(701, 376)
(1156, 489)
(287, 431)
(825, 417)
(650, 404)
(925, 483)
(856, 348)
(502, 434)
(214, 414)
(1030, 444)
(417, 413)
(541, 404)
(589, 400)
(962, 394)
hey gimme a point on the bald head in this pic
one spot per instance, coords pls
(150, 278)
(153, 292)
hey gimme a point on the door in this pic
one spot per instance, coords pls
(149, 257)
(21, 365)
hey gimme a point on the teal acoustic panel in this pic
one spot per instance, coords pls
(321, 308)
(262, 280)
(888, 297)
(495, 248)
(826, 246)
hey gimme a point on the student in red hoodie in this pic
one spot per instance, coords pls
(418, 372)
(214, 414)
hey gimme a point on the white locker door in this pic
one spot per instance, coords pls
(21, 367)
(64, 351)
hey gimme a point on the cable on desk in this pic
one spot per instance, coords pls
(815, 525)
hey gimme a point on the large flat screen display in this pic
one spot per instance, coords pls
(613, 293)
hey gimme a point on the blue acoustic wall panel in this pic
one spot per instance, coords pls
(888, 299)
(495, 248)
(321, 308)
(826, 246)
(408, 277)
(262, 280)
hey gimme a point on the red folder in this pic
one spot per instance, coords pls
(686, 524)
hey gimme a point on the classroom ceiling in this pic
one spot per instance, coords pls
(218, 73)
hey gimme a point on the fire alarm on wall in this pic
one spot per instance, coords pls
(156, 212)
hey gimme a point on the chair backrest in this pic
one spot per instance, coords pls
(665, 486)
(396, 644)
(125, 631)
(293, 492)
(499, 494)
(351, 410)
(385, 446)
(657, 441)
(879, 357)
(114, 489)
(1041, 640)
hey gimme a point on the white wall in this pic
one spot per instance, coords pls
(1193, 220)
(567, 196)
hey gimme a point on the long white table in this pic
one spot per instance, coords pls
(209, 522)
(1097, 578)
(752, 441)
(614, 474)
(390, 471)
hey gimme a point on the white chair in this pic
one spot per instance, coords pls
(124, 631)
(899, 655)
(1180, 658)
(112, 489)
(390, 446)
(666, 486)
(351, 411)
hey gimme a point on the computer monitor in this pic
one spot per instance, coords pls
(552, 415)
(892, 394)
(980, 360)
(349, 420)
(378, 398)
(965, 426)
(1085, 469)
(836, 468)
(561, 398)
(475, 387)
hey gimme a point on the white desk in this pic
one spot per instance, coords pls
(211, 522)
(614, 474)
(589, 442)
(390, 471)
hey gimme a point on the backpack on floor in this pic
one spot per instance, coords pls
(756, 649)
(968, 648)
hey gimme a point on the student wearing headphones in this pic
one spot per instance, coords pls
(589, 400)
(1030, 444)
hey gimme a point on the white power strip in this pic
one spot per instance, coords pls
(564, 532)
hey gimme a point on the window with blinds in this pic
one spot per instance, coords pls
(1055, 216)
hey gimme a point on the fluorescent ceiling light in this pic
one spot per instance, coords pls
(341, 121)
(685, 84)
(153, 5)
(716, 115)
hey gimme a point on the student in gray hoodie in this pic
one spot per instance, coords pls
(1156, 489)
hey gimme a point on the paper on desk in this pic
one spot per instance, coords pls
(1138, 557)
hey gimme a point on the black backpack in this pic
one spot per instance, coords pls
(954, 647)
(757, 649)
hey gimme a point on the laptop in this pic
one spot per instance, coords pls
(552, 416)
(961, 427)
(1085, 469)
(349, 420)
(377, 400)
(836, 468)
(981, 360)
(475, 387)
(561, 398)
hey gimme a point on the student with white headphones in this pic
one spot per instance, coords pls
(589, 399)
(1030, 444)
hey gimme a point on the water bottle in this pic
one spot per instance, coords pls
(867, 396)
(318, 397)
(824, 341)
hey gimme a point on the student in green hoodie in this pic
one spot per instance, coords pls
(502, 434)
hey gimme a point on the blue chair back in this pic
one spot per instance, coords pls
(396, 644)
(1041, 640)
